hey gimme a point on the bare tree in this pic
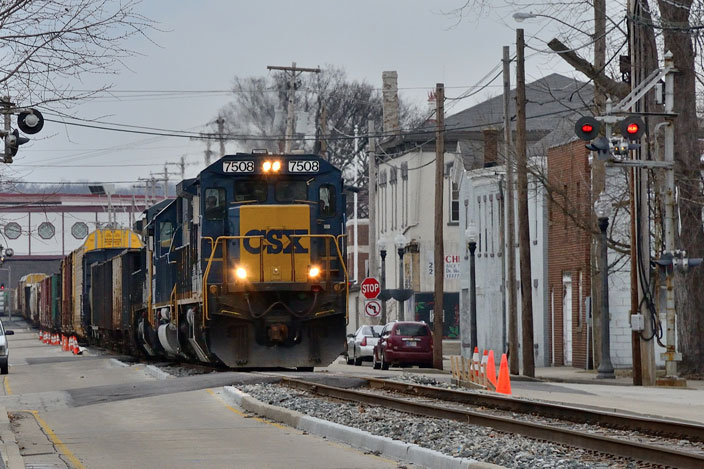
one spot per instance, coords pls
(328, 105)
(46, 45)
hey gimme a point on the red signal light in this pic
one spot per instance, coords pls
(632, 128)
(587, 128)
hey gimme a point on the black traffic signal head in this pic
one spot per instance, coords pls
(30, 121)
(632, 128)
(587, 128)
(12, 144)
(602, 147)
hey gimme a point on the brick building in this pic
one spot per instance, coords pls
(569, 271)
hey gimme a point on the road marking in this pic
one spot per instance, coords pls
(242, 414)
(55, 440)
(6, 384)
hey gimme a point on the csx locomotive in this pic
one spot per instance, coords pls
(244, 267)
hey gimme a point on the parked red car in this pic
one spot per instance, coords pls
(404, 343)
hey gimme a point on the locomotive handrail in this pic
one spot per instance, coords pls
(215, 242)
(174, 310)
(213, 246)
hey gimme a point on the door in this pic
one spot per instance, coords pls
(567, 318)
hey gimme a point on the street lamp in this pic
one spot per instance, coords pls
(471, 236)
(602, 208)
(521, 16)
(381, 244)
(400, 241)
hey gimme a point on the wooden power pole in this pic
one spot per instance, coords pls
(511, 215)
(293, 73)
(523, 225)
(439, 255)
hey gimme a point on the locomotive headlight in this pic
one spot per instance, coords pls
(314, 271)
(266, 167)
(276, 165)
(241, 273)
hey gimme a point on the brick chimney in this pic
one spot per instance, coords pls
(491, 147)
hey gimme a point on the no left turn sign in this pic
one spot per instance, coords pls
(372, 308)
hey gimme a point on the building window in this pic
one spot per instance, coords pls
(13, 230)
(46, 230)
(455, 203)
(79, 230)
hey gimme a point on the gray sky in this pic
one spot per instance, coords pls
(205, 44)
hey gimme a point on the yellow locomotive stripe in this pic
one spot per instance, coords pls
(77, 464)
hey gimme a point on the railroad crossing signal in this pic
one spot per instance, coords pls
(370, 288)
(587, 128)
(632, 129)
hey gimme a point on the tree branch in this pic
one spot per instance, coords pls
(609, 85)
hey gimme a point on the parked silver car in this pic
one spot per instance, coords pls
(360, 345)
(4, 352)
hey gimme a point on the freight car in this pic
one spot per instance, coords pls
(244, 267)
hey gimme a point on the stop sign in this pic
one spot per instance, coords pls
(370, 288)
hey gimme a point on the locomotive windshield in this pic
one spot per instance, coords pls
(290, 191)
(250, 191)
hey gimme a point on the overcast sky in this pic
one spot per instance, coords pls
(205, 44)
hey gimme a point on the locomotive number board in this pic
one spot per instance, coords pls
(303, 166)
(242, 166)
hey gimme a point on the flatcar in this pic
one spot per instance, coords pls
(244, 267)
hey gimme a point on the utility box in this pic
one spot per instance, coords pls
(637, 322)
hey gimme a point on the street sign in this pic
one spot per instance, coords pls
(372, 308)
(370, 288)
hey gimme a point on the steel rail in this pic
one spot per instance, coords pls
(629, 449)
(651, 426)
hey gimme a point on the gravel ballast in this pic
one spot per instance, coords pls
(449, 437)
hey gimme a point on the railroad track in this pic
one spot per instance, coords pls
(650, 426)
(603, 444)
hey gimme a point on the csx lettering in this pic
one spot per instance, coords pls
(275, 241)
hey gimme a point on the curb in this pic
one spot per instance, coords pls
(384, 446)
(11, 457)
(156, 372)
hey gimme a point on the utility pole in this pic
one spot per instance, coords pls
(510, 213)
(371, 204)
(643, 351)
(523, 223)
(221, 134)
(355, 229)
(323, 144)
(293, 73)
(208, 152)
(439, 255)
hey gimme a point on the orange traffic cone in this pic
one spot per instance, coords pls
(474, 369)
(70, 344)
(76, 348)
(491, 370)
(41, 336)
(504, 386)
(64, 343)
(482, 367)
